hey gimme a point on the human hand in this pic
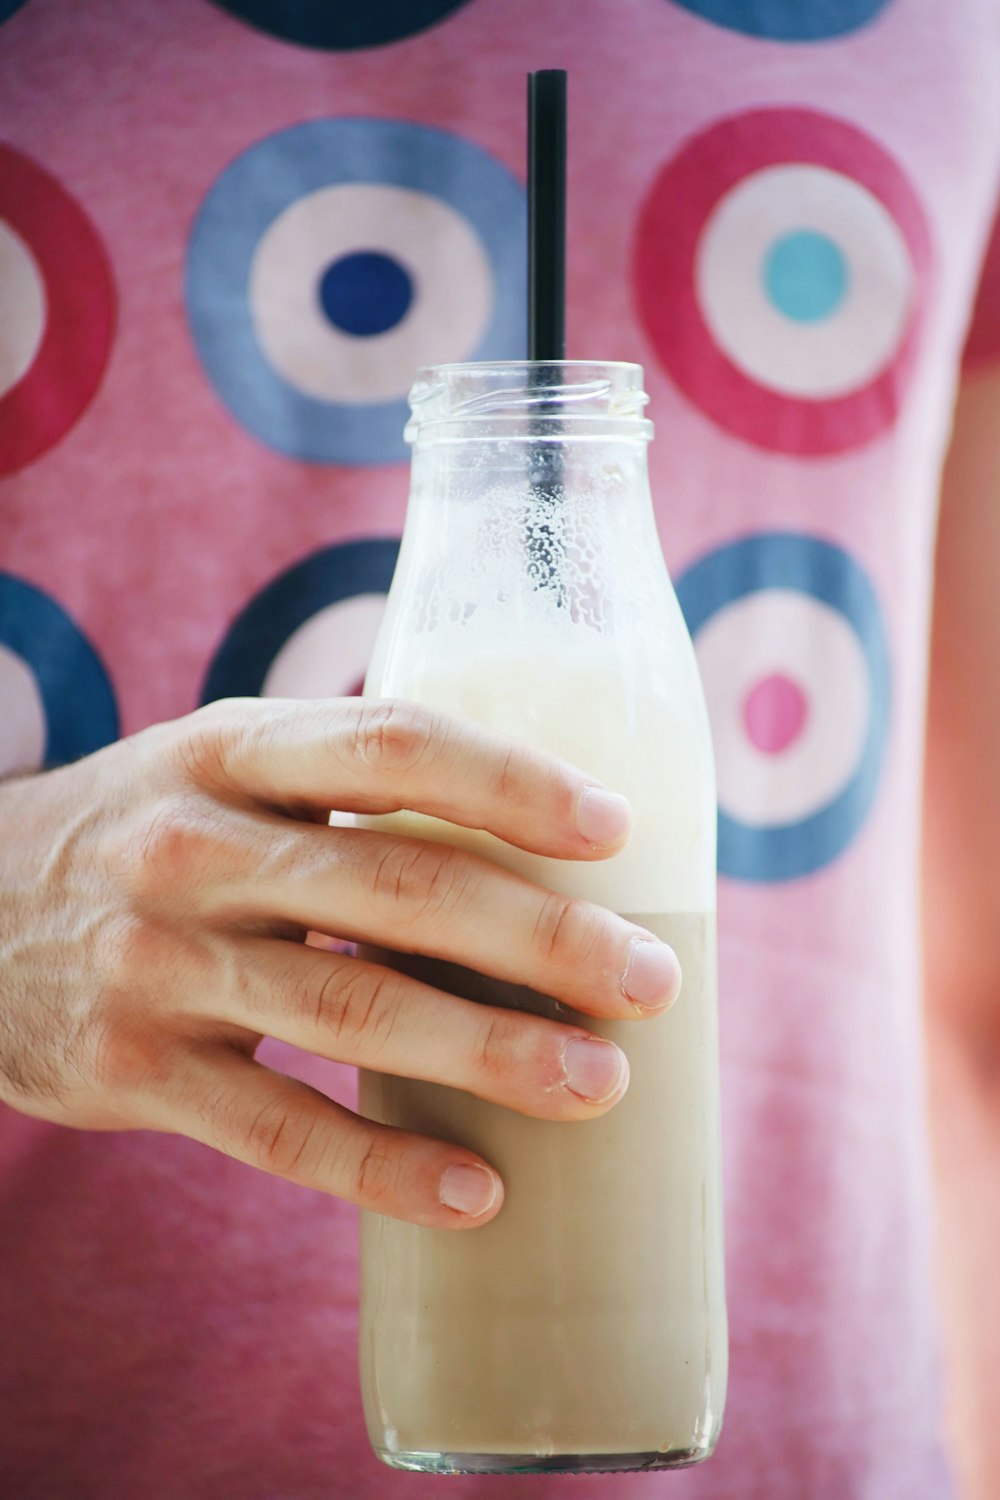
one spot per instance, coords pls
(154, 898)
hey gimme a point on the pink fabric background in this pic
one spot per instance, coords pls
(176, 1325)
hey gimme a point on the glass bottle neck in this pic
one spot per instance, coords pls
(530, 519)
(529, 402)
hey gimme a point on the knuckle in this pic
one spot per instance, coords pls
(557, 935)
(174, 845)
(125, 1058)
(210, 737)
(509, 784)
(391, 736)
(378, 1174)
(162, 846)
(354, 1005)
(422, 880)
(218, 742)
(499, 1050)
(326, 1003)
(281, 1137)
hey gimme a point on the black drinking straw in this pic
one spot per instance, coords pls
(546, 319)
(547, 215)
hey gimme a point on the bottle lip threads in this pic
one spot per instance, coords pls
(533, 399)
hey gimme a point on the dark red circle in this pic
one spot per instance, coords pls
(79, 311)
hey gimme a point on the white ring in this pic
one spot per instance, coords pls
(22, 292)
(784, 631)
(329, 653)
(450, 312)
(23, 730)
(836, 354)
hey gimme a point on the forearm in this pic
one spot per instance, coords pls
(962, 929)
(964, 1095)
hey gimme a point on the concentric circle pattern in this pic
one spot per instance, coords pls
(782, 267)
(310, 631)
(788, 20)
(58, 304)
(58, 703)
(345, 329)
(794, 659)
(336, 27)
(332, 259)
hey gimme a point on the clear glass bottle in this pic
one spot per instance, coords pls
(584, 1329)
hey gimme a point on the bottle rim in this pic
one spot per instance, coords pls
(534, 400)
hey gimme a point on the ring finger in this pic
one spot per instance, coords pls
(358, 1012)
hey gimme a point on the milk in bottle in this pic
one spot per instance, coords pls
(584, 1328)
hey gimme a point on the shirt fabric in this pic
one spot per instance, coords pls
(229, 233)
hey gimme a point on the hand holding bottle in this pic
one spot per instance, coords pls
(154, 901)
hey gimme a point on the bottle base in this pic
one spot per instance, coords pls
(537, 1463)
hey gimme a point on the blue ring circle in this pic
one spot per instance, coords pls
(262, 183)
(822, 571)
(262, 628)
(338, 27)
(81, 714)
(788, 20)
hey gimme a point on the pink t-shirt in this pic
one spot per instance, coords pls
(228, 235)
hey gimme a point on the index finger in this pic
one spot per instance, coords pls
(387, 755)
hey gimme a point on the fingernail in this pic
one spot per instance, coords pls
(468, 1189)
(594, 1069)
(603, 818)
(652, 979)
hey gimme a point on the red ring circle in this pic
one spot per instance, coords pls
(79, 311)
(671, 222)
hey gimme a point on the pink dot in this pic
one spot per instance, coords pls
(774, 713)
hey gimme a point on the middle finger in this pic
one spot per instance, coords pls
(416, 896)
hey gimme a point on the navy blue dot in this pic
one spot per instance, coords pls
(365, 293)
(343, 27)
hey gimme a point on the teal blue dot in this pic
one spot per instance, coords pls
(805, 276)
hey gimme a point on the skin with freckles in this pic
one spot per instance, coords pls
(155, 898)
